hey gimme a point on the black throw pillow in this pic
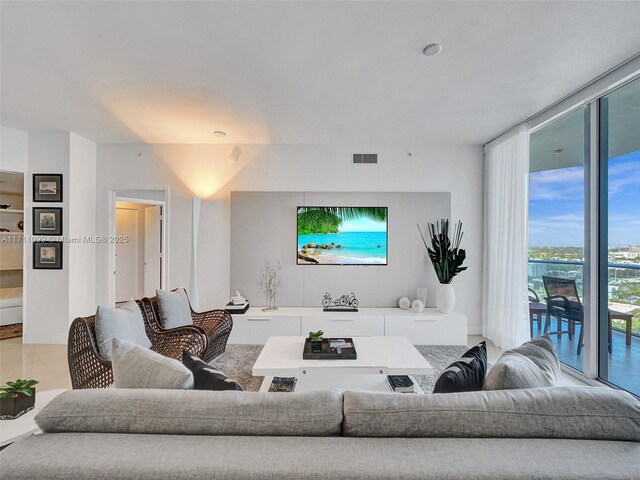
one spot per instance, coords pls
(466, 374)
(206, 377)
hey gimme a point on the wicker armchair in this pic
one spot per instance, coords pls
(89, 370)
(216, 324)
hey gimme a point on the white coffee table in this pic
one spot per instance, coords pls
(377, 358)
(12, 430)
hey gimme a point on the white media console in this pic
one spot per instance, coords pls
(428, 327)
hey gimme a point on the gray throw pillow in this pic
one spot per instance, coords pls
(174, 308)
(124, 322)
(137, 367)
(533, 364)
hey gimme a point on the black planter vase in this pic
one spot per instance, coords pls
(13, 407)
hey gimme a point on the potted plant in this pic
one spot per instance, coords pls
(17, 398)
(447, 258)
(316, 341)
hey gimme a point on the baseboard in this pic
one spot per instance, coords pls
(474, 330)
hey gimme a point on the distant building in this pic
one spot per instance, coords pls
(538, 269)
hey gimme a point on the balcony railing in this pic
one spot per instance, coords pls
(621, 276)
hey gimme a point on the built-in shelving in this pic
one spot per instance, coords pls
(11, 252)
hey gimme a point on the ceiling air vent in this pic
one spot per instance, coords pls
(365, 158)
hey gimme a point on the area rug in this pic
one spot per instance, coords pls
(10, 331)
(237, 361)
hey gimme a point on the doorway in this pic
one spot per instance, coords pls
(138, 253)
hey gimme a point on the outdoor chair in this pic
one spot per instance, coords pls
(216, 325)
(537, 310)
(89, 370)
(563, 303)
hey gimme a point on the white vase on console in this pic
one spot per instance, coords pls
(421, 294)
(445, 298)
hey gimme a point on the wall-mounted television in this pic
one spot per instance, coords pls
(342, 235)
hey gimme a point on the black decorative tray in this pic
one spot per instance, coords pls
(332, 349)
(231, 309)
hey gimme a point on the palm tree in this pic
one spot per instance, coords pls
(329, 219)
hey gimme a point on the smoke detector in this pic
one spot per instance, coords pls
(235, 154)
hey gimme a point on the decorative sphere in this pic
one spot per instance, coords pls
(404, 303)
(417, 306)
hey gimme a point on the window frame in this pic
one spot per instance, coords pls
(596, 264)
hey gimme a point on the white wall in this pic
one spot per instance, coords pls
(46, 306)
(54, 297)
(14, 149)
(82, 223)
(206, 170)
(263, 227)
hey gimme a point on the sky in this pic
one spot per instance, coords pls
(556, 204)
(363, 224)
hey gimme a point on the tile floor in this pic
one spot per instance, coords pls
(45, 363)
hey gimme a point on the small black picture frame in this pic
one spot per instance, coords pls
(47, 221)
(47, 255)
(47, 187)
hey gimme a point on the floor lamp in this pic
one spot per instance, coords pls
(195, 223)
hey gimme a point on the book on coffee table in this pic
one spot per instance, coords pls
(283, 384)
(400, 383)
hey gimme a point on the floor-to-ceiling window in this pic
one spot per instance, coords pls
(558, 155)
(589, 157)
(619, 269)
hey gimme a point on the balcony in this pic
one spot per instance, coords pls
(624, 282)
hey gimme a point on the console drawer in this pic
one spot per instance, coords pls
(428, 329)
(344, 324)
(256, 329)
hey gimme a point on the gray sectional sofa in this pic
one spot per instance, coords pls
(560, 433)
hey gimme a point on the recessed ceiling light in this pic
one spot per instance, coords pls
(432, 49)
(219, 133)
(558, 151)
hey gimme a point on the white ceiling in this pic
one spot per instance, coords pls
(300, 72)
(567, 133)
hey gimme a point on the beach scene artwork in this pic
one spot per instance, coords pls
(342, 235)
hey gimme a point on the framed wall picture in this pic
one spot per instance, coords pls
(47, 255)
(47, 221)
(47, 187)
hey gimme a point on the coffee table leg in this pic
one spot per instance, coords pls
(266, 384)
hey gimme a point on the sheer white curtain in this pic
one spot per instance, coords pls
(505, 315)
